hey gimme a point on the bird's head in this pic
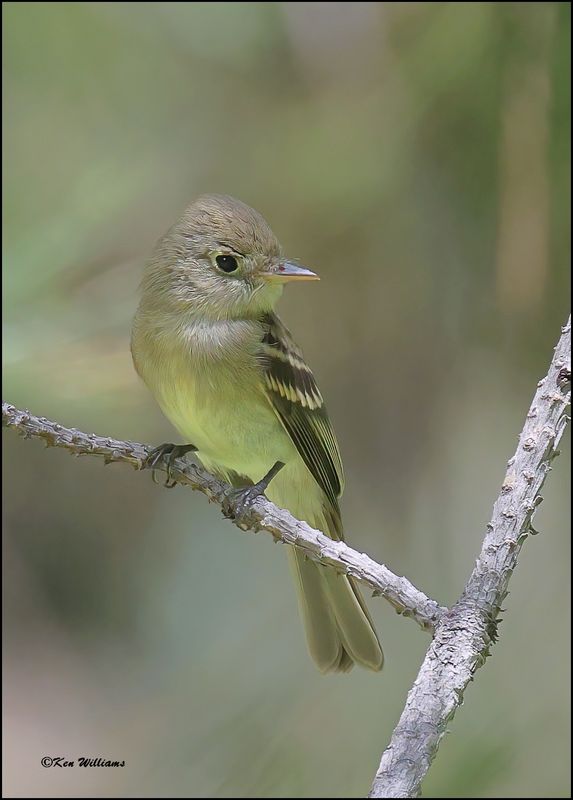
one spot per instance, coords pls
(220, 260)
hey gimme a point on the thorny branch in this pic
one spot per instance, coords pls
(465, 633)
(263, 515)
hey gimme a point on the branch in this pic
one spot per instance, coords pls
(465, 633)
(263, 515)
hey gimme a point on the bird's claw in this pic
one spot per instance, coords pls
(237, 503)
(167, 453)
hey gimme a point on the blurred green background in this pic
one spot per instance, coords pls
(418, 156)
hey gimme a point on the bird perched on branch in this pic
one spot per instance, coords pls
(228, 375)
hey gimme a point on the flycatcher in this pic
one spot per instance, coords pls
(228, 375)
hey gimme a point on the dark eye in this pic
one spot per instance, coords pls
(227, 263)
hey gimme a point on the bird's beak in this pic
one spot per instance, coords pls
(287, 271)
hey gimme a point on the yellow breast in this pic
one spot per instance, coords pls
(207, 382)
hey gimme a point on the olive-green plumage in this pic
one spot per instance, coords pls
(226, 372)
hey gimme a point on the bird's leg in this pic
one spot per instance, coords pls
(168, 453)
(239, 501)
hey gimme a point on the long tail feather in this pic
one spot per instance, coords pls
(339, 630)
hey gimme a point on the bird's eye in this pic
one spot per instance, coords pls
(227, 263)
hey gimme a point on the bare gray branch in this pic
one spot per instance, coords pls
(465, 633)
(406, 599)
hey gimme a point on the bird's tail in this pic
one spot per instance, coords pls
(339, 630)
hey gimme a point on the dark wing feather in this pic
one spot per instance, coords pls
(296, 399)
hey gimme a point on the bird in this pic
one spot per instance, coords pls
(227, 373)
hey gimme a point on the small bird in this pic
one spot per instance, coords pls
(228, 375)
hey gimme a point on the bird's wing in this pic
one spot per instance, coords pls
(292, 391)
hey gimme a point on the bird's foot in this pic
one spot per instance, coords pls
(238, 502)
(168, 453)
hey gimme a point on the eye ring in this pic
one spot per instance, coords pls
(227, 263)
